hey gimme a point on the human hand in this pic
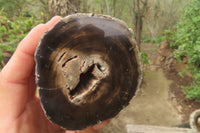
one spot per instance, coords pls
(20, 109)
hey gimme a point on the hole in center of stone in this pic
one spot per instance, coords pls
(87, 81)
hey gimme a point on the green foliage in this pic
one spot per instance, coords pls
(159, 39)
(148, 39)
(187, 41)
(14, 30)
(12, 7)
(168, 35)
(193, 92)
(1, 56)
(144, 57)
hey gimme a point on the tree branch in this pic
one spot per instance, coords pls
(42, 1)
(144, 8)
(142, 2)
(134, 6)
(108, 8)
(138, 6)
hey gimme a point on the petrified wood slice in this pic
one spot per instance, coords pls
(87, 70)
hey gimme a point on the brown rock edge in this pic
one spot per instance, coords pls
(87, 70)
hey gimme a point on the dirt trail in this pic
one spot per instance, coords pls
(151, 105)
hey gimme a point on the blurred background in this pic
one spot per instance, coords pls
(17, 17)
(168, 36)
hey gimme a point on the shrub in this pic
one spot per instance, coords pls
(144, 58)
(187, 41)
(14, 30)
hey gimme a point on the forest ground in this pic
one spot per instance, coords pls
(160, 100)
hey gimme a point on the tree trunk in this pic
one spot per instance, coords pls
(139, 12)
(139, 25)
(63, 7)
(108, 7)
(114, 7)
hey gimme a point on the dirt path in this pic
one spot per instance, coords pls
(151, 105)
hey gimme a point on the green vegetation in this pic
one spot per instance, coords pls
(144, 57)
(17, 18)
(12, 7)
(186, 41)
(148, 39)
(13, 30)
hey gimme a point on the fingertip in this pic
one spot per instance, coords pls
(56, 17)
(53, 21)
(49, 24)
